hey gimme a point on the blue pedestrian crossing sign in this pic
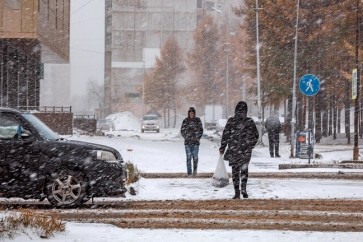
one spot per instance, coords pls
(309, 85)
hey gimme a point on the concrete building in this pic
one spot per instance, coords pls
(32, 32)
(135, 31)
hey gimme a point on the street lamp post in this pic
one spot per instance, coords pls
(227, 80)
(356, 103)
(293, 120)
(258, 77)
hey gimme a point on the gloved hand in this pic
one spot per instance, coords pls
(221, 152)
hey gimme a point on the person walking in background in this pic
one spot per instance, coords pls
(192, 130)
(273, 127)
(240, 136)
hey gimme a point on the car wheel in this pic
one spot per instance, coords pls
(67, 188)
(142, 131)
(157, 131)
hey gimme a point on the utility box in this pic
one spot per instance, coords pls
(304, 144)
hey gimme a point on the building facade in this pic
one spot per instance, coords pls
(32, 32)
(135, 32)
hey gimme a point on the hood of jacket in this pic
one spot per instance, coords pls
(192, 109)
(241, 110)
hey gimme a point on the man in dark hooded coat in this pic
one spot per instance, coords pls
(240, 135)
(273, 127)
(192, 131)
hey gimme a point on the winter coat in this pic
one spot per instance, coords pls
(191, 129)
(240, 135)
(273, 124)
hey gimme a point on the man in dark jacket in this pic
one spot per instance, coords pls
(240, 135)
(192, 130)
(273, 127)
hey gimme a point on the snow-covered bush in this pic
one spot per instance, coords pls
(28, 221)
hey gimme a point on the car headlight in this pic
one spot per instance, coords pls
(105, 155)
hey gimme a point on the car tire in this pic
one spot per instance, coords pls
(157, 131)
(67, 188)
(142, 131)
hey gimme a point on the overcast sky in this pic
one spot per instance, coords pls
(86, 44)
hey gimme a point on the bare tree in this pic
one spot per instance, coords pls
(204, 61)
(96, 96)
(160, 87)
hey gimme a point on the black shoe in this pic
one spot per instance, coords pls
(278, 155)
(244, 194)
(272, 156)
(236, 195)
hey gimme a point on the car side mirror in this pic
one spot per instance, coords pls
(25, 134)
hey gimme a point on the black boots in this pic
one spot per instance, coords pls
(243, 191)
(244, 194)
(236, 194)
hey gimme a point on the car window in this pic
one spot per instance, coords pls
(8, 127)
(42, 128)
(150, 117)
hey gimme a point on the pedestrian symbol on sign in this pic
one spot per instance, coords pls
(309, 85)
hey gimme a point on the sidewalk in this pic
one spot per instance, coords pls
(342, 165)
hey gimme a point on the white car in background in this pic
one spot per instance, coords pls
(150, 122)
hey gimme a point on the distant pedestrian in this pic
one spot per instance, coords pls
(240, 136)
(273, 127)
(192, 131)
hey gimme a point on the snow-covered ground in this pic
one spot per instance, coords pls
(164, 152)
(77, 232)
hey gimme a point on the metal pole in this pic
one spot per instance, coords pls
(227, 80)
(258, 77)
(356, 106)
(226, 14)
(293, 120)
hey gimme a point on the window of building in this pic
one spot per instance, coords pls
(199, 3)
(12, 4)
(209, 6)
(132, 95)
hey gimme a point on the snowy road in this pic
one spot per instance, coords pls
(281, 204)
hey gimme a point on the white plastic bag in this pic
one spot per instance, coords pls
(220, 177)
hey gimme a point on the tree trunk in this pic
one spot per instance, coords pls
(288, 121)
(168, 117)
(300, 114)
(318, 119)
(334, 120)
(330, 118)
(339, 120)
(164, 111)
(325, 123)
(174, 124)
(347, 111)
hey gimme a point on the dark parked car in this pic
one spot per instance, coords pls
(36, 163)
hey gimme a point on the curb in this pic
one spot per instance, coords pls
(342, 165)
(266, 175)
